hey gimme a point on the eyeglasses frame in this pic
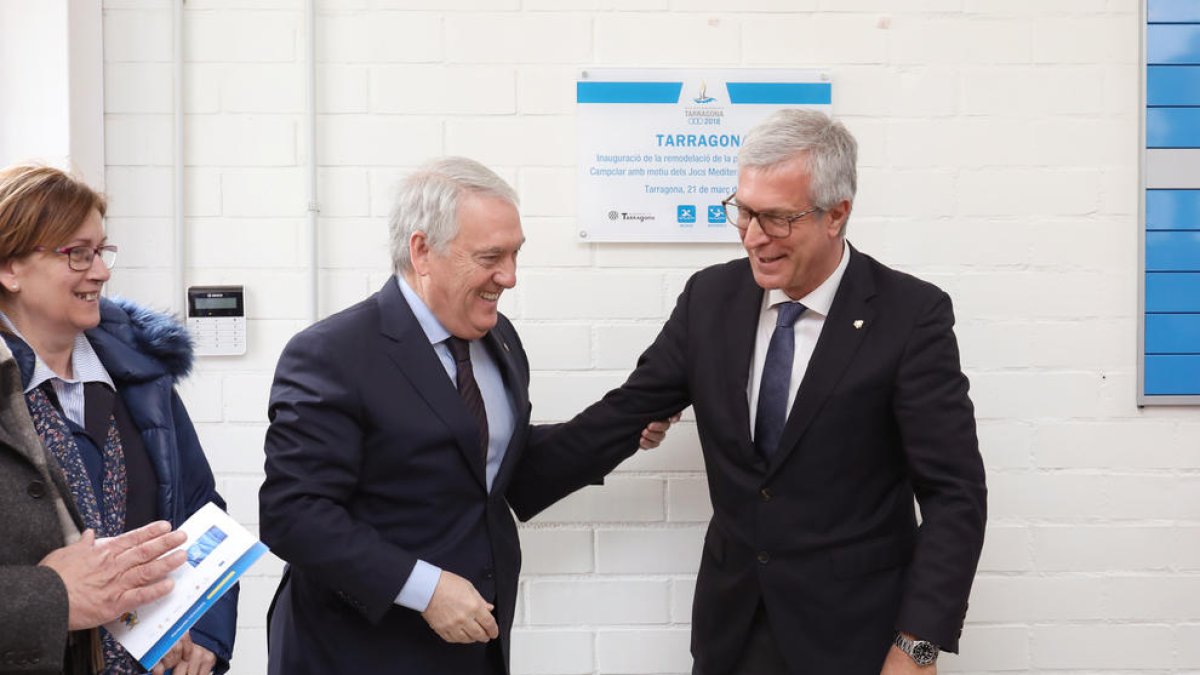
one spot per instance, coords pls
(97, 252)
(756, 215)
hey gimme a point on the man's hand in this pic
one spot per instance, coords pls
(655, 432)
(899, 663)
(108, 577)
(457, 613)
(187, 658)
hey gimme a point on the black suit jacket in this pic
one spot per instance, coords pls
(373, 462)
(825, 534)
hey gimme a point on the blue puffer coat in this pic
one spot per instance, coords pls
(146, 353)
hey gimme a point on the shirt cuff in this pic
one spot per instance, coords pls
(419, 588)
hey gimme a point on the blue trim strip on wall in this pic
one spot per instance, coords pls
(1173, 85)
(1173, 291)
(1172, 375)
(1172, 43)
(1173, 11)
(1171, 324)
(627, 92)
(1173, 128)
(1173, 209)
(780, 93)
(1173, 333)
(1173, 251)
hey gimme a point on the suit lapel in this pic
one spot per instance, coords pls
(840, 339)
(16, 431)
(9, 421)
(409, 349)
(741, 326)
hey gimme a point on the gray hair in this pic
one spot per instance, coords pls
(427, 201)
(828, 148)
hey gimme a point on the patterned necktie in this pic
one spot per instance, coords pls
(460, 349)
(776, 376)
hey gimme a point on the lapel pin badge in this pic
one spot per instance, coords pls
(858, 323)
(504, 344)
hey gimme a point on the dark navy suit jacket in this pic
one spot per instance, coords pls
(373, 462)
(824, 534)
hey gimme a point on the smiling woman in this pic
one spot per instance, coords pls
(98, 381)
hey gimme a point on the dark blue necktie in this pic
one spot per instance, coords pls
(776, 376)
(468, 388)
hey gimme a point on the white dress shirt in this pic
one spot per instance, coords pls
(85, 365)
(807, 327)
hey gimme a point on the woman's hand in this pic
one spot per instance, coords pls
(187, 658)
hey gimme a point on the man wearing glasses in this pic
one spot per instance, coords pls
(814, 561)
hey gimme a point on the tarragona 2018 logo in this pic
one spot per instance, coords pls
(703, 112)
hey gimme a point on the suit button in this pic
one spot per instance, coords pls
(764, 557)
(489, 573)
(766, 494)
(36, 489)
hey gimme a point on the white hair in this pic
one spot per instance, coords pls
(427, 201)
(829, 150)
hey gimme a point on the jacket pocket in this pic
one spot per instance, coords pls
(871, 556)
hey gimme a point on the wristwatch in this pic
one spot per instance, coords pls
(922, 652)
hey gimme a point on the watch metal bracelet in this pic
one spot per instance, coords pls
(922, 652)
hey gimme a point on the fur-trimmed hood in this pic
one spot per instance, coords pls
(153, 334)
(136, 343)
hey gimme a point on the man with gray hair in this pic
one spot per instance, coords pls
(828, 393)
(396, 428)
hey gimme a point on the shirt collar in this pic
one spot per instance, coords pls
(820, 300)
(84, 362)
(434, 330)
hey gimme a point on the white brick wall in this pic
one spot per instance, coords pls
(598, 602)
(998, 154)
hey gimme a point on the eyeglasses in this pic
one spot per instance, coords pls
(773, 225)
(80, 258)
